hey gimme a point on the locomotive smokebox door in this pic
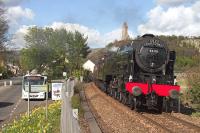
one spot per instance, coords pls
(151, 54)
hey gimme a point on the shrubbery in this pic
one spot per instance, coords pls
(37, 122)
(5, 73)
(194, 83)
(76, 100)
(184, 63)
(192, 94)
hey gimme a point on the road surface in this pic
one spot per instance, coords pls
(15, 81)
(11, 104)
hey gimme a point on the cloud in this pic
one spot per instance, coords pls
(18, 38)
(174, 2)
(180, 20)
(95, 38)
(11, 2)
(93, 35)
(15, 14)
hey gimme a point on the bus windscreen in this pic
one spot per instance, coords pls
(34, 80)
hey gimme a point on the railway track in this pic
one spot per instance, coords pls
(188, 124)
(165, 122)
(171, 123)
(155, 123)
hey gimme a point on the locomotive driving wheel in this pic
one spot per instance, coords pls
(160, 104)
(167, 106)
(133, 103)
(124, 98)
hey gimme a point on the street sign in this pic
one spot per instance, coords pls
(64, 74)
(56, 91)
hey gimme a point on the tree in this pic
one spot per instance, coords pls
(3, 28)
(3, 31)
(77, 50)
(37, 53)
(48, 49)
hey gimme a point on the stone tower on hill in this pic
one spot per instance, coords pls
(125, 35)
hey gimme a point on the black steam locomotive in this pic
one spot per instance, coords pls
(140, 74)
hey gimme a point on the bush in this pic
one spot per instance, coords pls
(78, 87)
(194, 83)
(5, 73)
(184, 62)
(76, 104)
(196, 114)
(57, 71)
(77, 73)
(195, 93)
(37, 122)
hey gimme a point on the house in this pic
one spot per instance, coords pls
(89, 65)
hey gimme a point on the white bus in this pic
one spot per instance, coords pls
(37, 83)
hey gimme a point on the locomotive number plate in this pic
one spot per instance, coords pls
(153, 50)
(154, 42)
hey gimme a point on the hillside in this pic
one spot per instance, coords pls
(187, 51)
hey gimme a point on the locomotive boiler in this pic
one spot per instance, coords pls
(141, 74)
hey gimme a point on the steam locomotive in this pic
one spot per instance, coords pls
(141, 74)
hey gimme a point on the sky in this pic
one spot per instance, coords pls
(101, 20)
